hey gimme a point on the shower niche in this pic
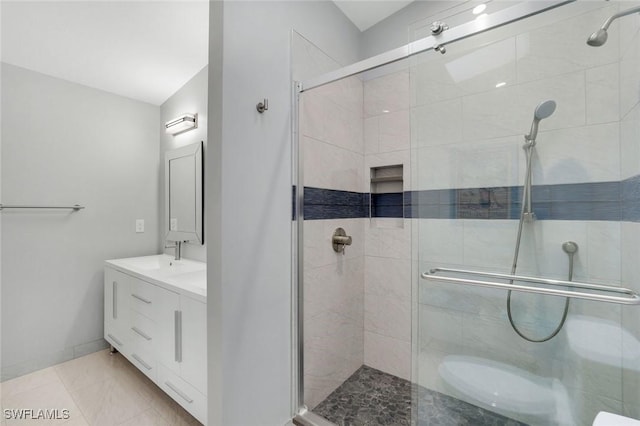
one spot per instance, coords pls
(387, 191)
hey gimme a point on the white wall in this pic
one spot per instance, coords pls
(63, 143)
(249, 201)
(192, 97)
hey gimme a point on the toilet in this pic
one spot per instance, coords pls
(499, 387)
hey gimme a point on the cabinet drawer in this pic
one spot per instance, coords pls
(142, 332)
(183, 393)
(145, 362)
(143, 298)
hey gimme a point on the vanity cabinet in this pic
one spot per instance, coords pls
(162, 332)
(116, 308)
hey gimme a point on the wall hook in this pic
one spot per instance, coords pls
(263, 106)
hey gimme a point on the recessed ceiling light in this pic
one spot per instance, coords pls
(479, 9)
(385, 111)
(502, 83)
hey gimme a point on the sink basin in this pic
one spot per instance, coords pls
(160, 265)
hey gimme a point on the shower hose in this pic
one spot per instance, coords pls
(526, 194)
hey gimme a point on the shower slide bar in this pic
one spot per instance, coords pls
(629, 297)
(75, 207)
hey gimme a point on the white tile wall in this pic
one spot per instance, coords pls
(629, 146)
(331, 167)
(603, 96)
(387, 354)
(578, 154)
(332, 141)
(387, 93)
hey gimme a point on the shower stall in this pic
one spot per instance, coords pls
(467, 221)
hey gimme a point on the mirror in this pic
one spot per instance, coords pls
(183, 194)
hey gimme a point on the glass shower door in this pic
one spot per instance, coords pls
(525, 357)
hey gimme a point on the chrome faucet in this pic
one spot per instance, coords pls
(177, 245)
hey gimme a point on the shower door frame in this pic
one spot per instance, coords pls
(301, 415)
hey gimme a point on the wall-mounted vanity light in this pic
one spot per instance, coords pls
(181, 124)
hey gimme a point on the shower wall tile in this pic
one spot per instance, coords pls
(630, 259)
(332, 167)
(431, 82)
(578, 154)
(603, 96)
(479, 235)
(393, 242)
(371, 135)
(547, 258)
(387, 93)
(438, 123)
(439, 330)
(394, 131)
(435, 168)
(387, 297)
(388, 354)
(388, 316)
(568, 90)
(483, 335)
(629, 76)
(629, 144)
(488, 303)
(628, 27)
(492, 162)
(335, 288)
(578, 372)
(604, 242)
(543, 52)
(492, 114)
(441, 240)
(333, 325)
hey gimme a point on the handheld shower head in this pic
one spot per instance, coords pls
(598, 38)
(543, 110)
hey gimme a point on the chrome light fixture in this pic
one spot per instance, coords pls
(181, 124)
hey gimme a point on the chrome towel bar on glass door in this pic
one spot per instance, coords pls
(75, 207)
(629, 297)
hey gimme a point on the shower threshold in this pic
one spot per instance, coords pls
(371, 397)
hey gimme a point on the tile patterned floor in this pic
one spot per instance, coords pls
(98, 389)
(373, 398)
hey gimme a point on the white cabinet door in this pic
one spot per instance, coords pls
(166, 311)
(193, 367)
(116, 307)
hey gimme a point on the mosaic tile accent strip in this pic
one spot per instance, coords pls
(373, 398)
(332, 204)
(604, 201)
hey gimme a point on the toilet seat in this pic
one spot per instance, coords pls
(498, 386)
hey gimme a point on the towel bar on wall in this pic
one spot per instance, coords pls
(75, 207)
(629, 297)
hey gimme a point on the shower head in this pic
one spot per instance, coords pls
(598, 38)
(543, 110)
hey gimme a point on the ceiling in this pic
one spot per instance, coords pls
(366, 13)
(137, 49)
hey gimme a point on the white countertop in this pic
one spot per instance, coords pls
(184, 276)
